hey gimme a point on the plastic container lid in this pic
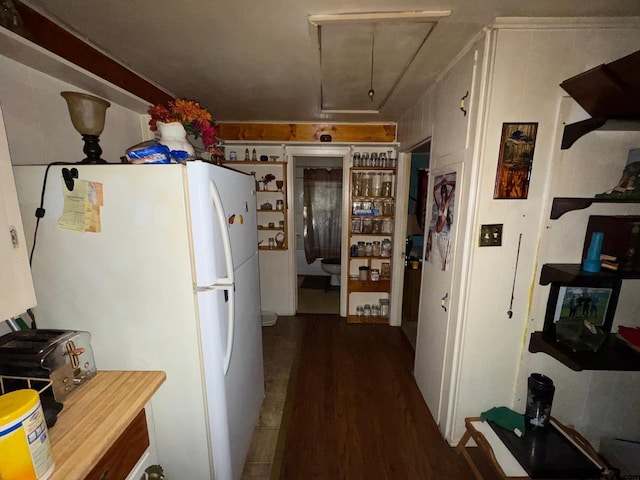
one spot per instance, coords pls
(16, 404)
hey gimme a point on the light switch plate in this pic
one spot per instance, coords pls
(491, 235)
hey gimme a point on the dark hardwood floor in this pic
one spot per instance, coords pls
(357, 412)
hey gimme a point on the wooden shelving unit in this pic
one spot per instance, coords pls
(268, 195)
(362, 292)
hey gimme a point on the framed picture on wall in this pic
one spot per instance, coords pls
(580, 315)
(515, 160)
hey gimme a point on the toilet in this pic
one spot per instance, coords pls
(332, 267)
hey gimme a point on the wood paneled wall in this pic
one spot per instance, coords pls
(307, 132)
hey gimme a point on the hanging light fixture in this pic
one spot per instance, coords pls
(371, 91)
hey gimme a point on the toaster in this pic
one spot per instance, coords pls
(63, 357)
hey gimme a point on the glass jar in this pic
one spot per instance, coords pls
(386, 185)
(355, 206)
(357, 184)
(385, 248)
(387, 225)
(384, 307)
(376, 184)
(366, 161)
(357, 160)
(356, 225)
(387, 208)
(366, 185)
(354, 250)
(367, 225)
(376, 225)
(377, 250)
(374, 274)
(361, 249)
(367, 310)
(368, 249)
(360, 311)
(375, 310)
(385, 271)
(378, 206)
(363, 273)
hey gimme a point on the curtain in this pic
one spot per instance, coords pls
(322, 213)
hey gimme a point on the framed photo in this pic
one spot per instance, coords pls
(515, 160)
(580, 315)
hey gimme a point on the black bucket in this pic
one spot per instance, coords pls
(540, 390)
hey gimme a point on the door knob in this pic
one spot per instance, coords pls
(443, 301)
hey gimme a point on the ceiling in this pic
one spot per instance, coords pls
(297, 60)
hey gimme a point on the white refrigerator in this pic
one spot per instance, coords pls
(169, 282)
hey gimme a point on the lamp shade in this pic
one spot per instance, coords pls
(87, 112)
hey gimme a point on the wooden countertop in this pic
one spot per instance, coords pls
(95, 415)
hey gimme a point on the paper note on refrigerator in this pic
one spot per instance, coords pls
(81, 209)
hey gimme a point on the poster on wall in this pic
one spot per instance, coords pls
(441, 227)
(515, 160)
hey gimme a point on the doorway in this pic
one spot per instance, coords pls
(317, 192)
(415, 239)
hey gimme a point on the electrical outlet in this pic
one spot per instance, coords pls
(491, 235)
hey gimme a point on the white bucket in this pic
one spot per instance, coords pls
(25, 450)
(269, 319)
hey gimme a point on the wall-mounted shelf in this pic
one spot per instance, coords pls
(608, 93)
(562, 205)
(569, 273)
(574, 131)
(613, 355)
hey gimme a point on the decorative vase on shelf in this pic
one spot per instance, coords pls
(174, 136)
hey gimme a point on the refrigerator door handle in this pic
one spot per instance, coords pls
(227, 282)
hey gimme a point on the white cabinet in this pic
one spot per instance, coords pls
(453, 108)
(16, 287)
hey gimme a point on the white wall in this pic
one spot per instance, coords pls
(38, 125)
(529, 91)
(530, 63)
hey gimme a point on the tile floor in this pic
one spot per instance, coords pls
(280, 344)
(312, 300)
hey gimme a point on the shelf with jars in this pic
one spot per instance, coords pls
(372, 196)
(271, 191)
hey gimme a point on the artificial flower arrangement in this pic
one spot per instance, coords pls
(267, 179)
(196, 120)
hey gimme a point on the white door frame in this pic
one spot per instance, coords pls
(343, 151)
